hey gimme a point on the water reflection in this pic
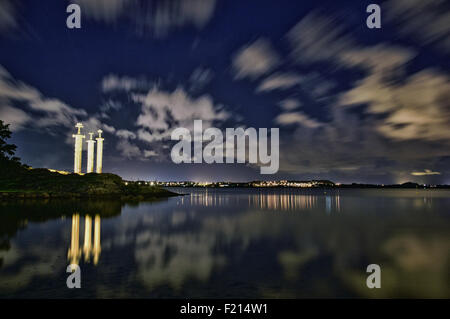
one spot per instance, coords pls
(87, 247)
(332, 203)
(264, 201)
(225, 243)
(74, 253)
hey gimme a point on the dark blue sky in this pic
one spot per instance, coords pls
(351, 103)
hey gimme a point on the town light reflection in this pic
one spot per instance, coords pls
(276, 201)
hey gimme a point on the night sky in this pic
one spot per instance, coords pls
(353, 104)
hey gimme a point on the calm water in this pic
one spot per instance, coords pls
(230, 243)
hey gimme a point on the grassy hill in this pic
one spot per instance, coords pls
(17, 181)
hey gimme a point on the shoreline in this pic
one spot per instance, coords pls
(23, 194)
(445, 187)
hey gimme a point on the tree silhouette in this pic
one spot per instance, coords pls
(7, 151)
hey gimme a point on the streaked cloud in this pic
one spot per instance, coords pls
(110, 104)
(14, 116)
(425, 173)
(128, 150)
(126, 134)
(416, 108)
(316, 84)
(315, 38)
(255, 59)
(425, 21)
(104, 10)
(404, 114)
(150, 153)
(155, 17)
(7, 15)
(297, 118)
(129, 147)
(113, 82)
(92, 124)
(41, 111)
(159, 18)
(200, 78)
(279, 81)
(108, 128)
(161, 110)
(23, 107)
(378, 58)
(289, 104)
